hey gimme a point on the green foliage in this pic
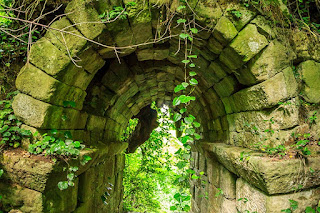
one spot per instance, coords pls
(130, 129)
(11, 132)
(117, 12)
(304, 14)
(293, 206)
(154, 175)
(61, 148)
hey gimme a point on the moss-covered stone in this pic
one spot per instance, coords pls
(84, 16)
(46, 116)
(47, 57)
(226, 87)
(41, 86)
(245, 46)
(224, 31)
(152, 54)
(266, 94)
(260, 202)
(17, 197)
(265, 173)
(310, 72)
(272, 60)
(66, 42)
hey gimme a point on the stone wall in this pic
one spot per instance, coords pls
(247, 87)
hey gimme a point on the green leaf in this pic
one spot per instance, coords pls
(181, 20)
(190, 171)
(185, 84)
(197, 136)
(69, 104)
(87, 157)
(192, 73)
(181, 7)
(176, 101)
(188, 120)
(183, 110)
(192, 65)
(70, 176)
(173, 208)
(195, 177)
(196, 124)
(193, 81)
(194, 30)
(185, 61)
(184, 35)
(177, 117)
(1, 172)
(181, 164)
(62, 185)
(192, 56)
(178, 88)
(309, 209)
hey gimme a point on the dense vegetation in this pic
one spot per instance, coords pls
(153, 179)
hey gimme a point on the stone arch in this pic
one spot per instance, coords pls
(244, 72)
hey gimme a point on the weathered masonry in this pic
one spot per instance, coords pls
(248, 86)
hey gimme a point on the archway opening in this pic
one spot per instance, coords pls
(155, 178)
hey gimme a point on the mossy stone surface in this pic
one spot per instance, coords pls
(69, 43)
(310, 72)
(85, 17)
(245, 46)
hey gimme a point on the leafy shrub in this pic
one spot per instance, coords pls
(11, 132)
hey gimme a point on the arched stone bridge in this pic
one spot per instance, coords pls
(248, 86)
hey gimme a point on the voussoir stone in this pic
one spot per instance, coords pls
(41, 86)
(85, 17)
(224, 31)
(272, 60)
(264, 95)
(245, 46)
(68, 40)
(46, 116)
(310, 71)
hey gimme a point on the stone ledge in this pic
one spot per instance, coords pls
(39, 173)
(273, 176)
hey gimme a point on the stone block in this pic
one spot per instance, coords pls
(70, 42)
(272, 60)
(152, 54)
(49, 58)
(214, 46)
(244, 47)
(260, 202)
(46, 116)
(56, 200)
(90, 60)
(266, 94)
(265, 173)
(310, 72)
(41, 86)
(264, 26)
(239, 15)
(283, 117)
(24, 199)
(84, 17)
(226, 87)
(140, 21)
(224, 31)
(228, 183)
(96, 123)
